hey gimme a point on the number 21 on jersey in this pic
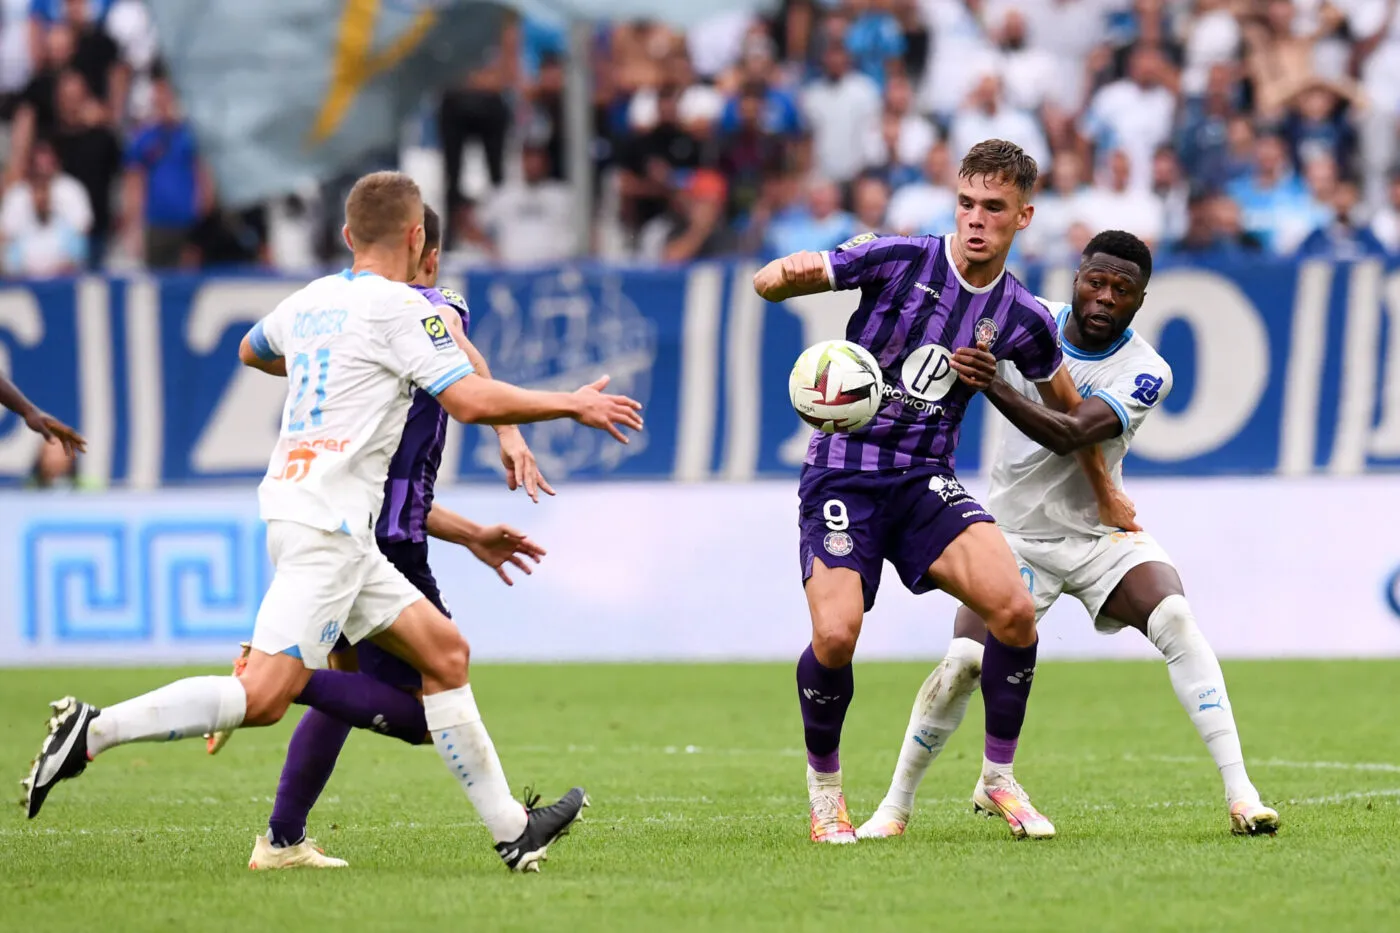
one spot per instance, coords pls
(300, 377)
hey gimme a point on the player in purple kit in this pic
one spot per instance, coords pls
(888, 492)
(375, 689)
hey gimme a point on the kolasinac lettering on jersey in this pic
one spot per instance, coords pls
(176, 576)
(1280, 368)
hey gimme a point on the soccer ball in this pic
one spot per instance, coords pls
(836, 386)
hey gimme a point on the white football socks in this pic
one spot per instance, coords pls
(461, 739)
(938, 711)
(186, 708)
(823, 781)
(1200, 686)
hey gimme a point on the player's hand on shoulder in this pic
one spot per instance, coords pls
(607, 412)
(519, 461)
(975, 366)
(499, 545)
(1118, 511)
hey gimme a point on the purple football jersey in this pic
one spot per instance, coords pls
(914, 311)
(408, 492)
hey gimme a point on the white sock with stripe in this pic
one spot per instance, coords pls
(1200, 687)
(938, 711)
(461, 739)
(189, 707)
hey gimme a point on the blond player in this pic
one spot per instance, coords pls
(354, 346)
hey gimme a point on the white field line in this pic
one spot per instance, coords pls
(643, 750)
(789, 814)
(1283, 763)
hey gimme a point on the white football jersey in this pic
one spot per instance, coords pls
(1035, 493)
(355, 346)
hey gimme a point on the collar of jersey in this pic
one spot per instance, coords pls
(953, 267)
(351, 276)
(1078, 354)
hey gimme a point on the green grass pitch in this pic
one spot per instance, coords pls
(699, 815)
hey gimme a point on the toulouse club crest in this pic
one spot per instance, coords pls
(985, 332)
(838, 543)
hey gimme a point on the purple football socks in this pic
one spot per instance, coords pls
(1006, 686)
(366, 703)
(825, 694)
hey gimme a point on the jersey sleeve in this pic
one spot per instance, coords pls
(867, 258)
(1135, 391)
(268, 337)
(1034, 343)
(455, 300)
(420, 348)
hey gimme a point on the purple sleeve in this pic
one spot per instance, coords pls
(1034, 344)
(456, 302)
(866, 259)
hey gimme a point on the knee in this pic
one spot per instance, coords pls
(834, 638)
(1172, 627)
(450, 660)
(265, 706)
(964, 662)
(1013, 622)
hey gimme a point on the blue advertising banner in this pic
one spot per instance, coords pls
(177, 575)
(1280, 368)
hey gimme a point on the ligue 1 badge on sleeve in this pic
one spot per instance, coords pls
(985, 332)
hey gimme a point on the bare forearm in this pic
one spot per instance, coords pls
(771, 284)
(477, 360)
(802, 273)
(1070, 424)
(13, 399)
(446, 525)
(1095, 469)
(1053, 430)
(474, 400)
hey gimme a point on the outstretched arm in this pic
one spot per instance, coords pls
(418, 347)
(474, 400)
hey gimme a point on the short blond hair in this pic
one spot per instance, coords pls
(382, 205)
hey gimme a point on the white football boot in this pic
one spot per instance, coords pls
(887, 822)
(1252, 818)
(1003, 796)
(305, 854)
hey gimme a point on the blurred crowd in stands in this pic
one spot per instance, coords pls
(1221, 127)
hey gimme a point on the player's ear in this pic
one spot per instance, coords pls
(1024, 220)
(345, 235)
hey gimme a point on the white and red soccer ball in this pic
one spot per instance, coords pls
(836, 386)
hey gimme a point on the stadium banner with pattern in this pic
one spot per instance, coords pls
(694, 571)
(1281, 368)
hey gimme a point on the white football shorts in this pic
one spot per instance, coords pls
(325, 585)
(1085, 567)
